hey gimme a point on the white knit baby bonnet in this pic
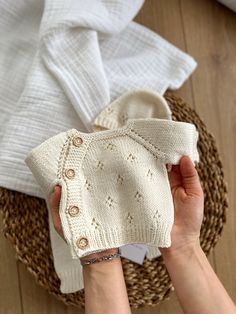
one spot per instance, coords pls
(115, 189)
(136, 104)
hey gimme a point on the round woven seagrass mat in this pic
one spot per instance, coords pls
(25, 221)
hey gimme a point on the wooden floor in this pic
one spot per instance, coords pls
(207, 31)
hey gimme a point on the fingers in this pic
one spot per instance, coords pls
(190, 178)
(54, 202)
(175, 168)
(55, 198)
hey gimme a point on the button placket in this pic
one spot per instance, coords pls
(74, 211)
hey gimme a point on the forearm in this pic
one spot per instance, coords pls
(105, 289)
(197, 286)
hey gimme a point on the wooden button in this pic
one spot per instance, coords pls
(77, 141)
(82, 243)
(73, 211)
(70, 173)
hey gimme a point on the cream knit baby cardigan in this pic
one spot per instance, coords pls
(115, 189)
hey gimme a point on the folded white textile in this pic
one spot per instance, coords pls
(229, 3)
(61, 63)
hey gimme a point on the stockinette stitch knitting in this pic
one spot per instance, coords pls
(115, 188)
(135, 104)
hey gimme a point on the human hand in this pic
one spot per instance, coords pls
(188, 201)
(54, 201)
(99, 277)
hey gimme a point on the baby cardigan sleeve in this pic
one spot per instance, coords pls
(169, 140)
(150, 115)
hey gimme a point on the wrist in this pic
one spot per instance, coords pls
(99, 262)
(103, 271)
(99, 254)
(185, 251)
(103, 281)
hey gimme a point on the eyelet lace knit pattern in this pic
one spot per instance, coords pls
(117, 182)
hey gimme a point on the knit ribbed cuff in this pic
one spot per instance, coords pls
(71, 279)
(158, 236)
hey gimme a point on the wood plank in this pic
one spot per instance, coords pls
(164, 18)
(35, 299)
(10, 300)
(74, 310)
(210, 31)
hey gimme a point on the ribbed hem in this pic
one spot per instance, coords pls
(116, 237)
(71, 279)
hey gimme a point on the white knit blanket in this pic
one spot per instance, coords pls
(61, 62)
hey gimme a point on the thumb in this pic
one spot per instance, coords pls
(54, 202)
(54, 199)
(190, 179)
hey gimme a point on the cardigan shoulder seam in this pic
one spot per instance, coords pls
(154, 150)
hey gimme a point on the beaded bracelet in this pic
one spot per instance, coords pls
(100, 259)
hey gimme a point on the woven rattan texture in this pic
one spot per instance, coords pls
(25, 221)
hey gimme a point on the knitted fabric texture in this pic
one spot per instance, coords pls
(137, 104)
(115, 189)
(142, 103)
